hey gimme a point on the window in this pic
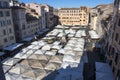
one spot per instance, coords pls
(10, 31)
(116, 37)
(9, 22)
(4, 23)
(11, 38)
(7, 13)
(23, 26)
(5, 40)
(4, 32)
(1, 14)
(5, 4)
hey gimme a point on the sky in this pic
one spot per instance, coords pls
(69, 3)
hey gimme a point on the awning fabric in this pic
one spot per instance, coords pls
(13, 46)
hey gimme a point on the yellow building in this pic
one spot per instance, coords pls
(74, 16)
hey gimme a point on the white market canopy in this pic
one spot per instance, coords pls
(69, 52)
(56, 47)
(56, 59)
(93, 35)
(56, 43)
(67, 65)
(68, 58)
(52, 66)
(31, 46)
(46, 47)
(50, 53)
(62, 51)
(39, 52)
(11, 61)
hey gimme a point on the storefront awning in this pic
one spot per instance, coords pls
(28, 38)
(2, 53)
(13, 47)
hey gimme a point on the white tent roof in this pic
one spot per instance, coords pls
(42, 43)
(56, 43)
(31, 46)
(70, 35)
(70, 52)
(78, 49)
(93, 35)
(51, 66)
(25, 50)
(65, 65)
(68, 58)
(46, 47)
(31, 51)
(43, 57)
(35, 43)
(56, 47)
(19, 55)
(6, 68)
(36, 64)
(17, 69)
(50, 53)
(9, 76)
(33, 56)
(56, 59)
(62, 51)
(29, 74)
(11, 61)
(37, 47)
(70, 44)
(60, 35)
(68, 48)
(39, 52)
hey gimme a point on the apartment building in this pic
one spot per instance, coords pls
(25, 24)
(93, 18)
(100, 17)
(74, 16)
(112, 41)
(56, 21)
(40, 11)
(49, 15)
(7, 36)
